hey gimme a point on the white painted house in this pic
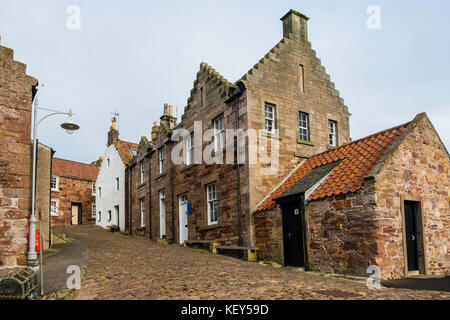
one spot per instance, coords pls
(110, 197)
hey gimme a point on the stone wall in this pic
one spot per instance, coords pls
(417, 170)
(340, 233)
(16, 96)
(73, 190)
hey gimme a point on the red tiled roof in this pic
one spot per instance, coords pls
(68, 168)
(124, 148)
(357, 158)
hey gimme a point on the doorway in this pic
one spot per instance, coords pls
(413, 237)
(183, 218)
(293, 234)
(76, 214)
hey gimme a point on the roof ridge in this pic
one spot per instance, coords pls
(88, 164)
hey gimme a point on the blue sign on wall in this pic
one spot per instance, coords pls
(189, 208)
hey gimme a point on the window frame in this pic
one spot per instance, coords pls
(109, 215)
(99, 218)
(117, 184)
(306, 128)
(267, 119)
(94, 188)
(302, 78)
(211, 203)
(332, 136)
(161, 158)
(54, 213)
(94, 210)
(142, 211)
(56, 188)
(142, 170)
(190, 149)
(99, 192)
(219, 133)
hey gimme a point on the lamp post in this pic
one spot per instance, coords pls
(70, 127)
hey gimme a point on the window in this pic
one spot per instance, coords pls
(212, 203)
(109, 215)
(190, 149)
(332, 131)
(54, 208)
(201, 97)
(99, 216)
(302, 78)
(54, 183)
(142, 204)
(269, 117)
(116, 209)
(142, 171)
(219, 133)
(161, 160)
(99, 192)
(94, 210)
(117, 184)
(94, 191)
(303, 119)
(109, 162)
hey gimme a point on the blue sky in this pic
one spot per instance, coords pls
(134, 56)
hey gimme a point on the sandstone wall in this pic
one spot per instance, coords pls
(417, 170)
(16, 95)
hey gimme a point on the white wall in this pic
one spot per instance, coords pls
(106, 180)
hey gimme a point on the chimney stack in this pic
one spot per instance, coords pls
(167, 118)
(113, 134)
(155, 130)
(296, 24)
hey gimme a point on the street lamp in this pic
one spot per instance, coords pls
(70, 127)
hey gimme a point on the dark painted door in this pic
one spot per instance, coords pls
(411, 236)
(292, 235)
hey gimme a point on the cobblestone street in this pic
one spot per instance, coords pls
(125, 267)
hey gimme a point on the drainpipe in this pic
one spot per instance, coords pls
(172, 183)
(50, 202)
(238, 167)
(149, 179)
(130, 219)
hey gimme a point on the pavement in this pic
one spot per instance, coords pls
(58, 259)
(119, 266)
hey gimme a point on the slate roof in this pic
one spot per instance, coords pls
(73, 169)
(357, 159)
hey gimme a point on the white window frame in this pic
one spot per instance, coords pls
(54, 213)
(94, 210)
(56, 188)
(211, 196)
(142, 167)
(269, 117)
(219, 133)
(162, 156)
(332, 133)
(303, 126)
(142, 208)
(94, 188)
(189, 149)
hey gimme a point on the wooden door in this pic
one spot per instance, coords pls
(183, 220)
(411, 236)
(292, 235)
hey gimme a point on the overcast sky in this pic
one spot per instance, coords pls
(134, 55)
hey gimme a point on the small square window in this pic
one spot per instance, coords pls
(54, 185)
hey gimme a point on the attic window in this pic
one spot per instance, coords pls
(201, 97)
(302, 78)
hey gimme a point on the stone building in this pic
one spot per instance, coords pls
(17, 91)
(382, 200)
(110, 184)
(73, 187)
(286, 98)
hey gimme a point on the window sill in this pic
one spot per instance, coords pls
(142, 185)
(270, 135)
(209, 227)
(330, 147)
(300, 155)
(54, 190)
(309, 143)
(161, 175)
